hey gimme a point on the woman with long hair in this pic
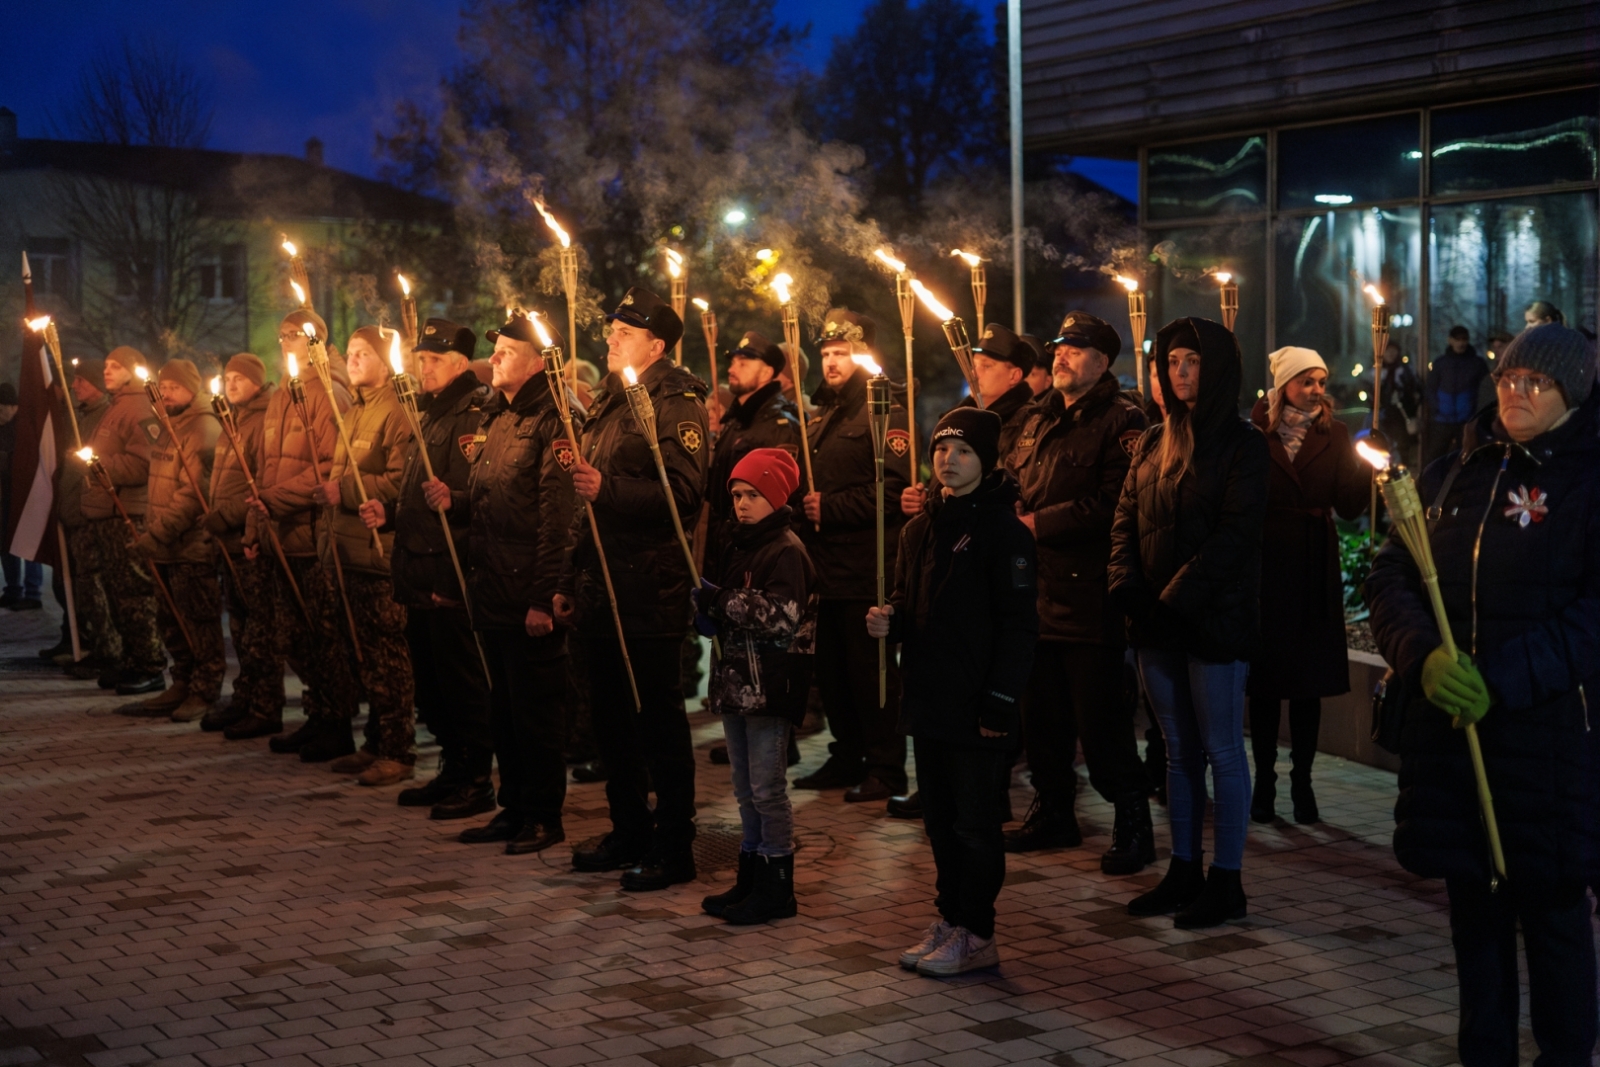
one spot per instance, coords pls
(1186, 570)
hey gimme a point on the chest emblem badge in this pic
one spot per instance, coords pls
(1130, 440)
(691, 437)
(1527, 505)
(469, 445)
(899, 442)
(566, 455)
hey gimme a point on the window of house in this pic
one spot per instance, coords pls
(1350, 163)
(222, 274)
(50, 259)
(1511, 144)
(1205, 178)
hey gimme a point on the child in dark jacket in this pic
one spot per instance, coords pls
(760, 607)
(965, 612)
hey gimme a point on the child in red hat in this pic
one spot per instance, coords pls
(761, 607)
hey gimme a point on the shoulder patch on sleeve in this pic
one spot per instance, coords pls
(690, 436)
(1021, 572)
(469, 443)
(1130, 440)
(566, 455)
(899, 442)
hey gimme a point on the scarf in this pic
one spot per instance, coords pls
(1292, 426)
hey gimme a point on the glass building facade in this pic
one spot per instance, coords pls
(1459, 215)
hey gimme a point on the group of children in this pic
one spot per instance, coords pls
(964, 614)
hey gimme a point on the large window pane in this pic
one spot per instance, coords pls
(1510, 144)
(1489, 260)
(1351, 162)
(1180, 284)
(1205, 178)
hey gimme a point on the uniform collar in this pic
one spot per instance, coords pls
(744, 411)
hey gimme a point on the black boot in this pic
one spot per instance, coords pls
(837, 773)
(719, 755)
(906, 807)
(1221, 899)
(1133, 839)
(662, 866)
(612, 852)
(1184, 881)
(430, 793)
(255, 724)
(1304, 798)
(1047, 825)
(331, 740)
(505, 826)
(219, 719)
(295, 741)
(1264, 798)
(464, 799)
(773, 897)
(742, 887)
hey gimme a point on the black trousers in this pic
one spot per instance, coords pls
(527, 712)
(452, 694)
(1559, 941)
(847, 678)
(651, 746)
(1305, 725)
(964, 808)
(1076, 693)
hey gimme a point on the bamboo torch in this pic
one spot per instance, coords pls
(410, 325)
(708, 326)
(1380, 341)
(791, 336)
(878, 402)
(319, 360)
(980, 282)
(1229, 295)
(43, 324)
(955, 334)
(1136, 321)
(1406, 519)
(906, 298)
(569, 283)
(299, 278)
(679, 274)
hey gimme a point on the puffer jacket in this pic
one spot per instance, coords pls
(294, 458)
(175, 514)
(1452, 385)
(1186, 553)
(421, 565)
(380, 436)
(72, 475)
(122, 444)
(229, 487)
(1526, 519)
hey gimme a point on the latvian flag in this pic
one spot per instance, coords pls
(32, 532)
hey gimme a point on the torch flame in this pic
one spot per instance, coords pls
(544, 334)
(674, 263)
(766, 255)
(1224, 277)
(701, 304)
(288, 246)
(310, 330)
(1378, 458)
(396, 360)
(941, 312)
(1130, 284)
(780, 285)
(627, 372)
(861, 359)
(216, 385)
(972, 260)
(37, 325)
(1372, 291)
(890, 262)
(140, 373)
(405, 286)
(550, 221)
(299, 293)
(294, 366)
(85, 453)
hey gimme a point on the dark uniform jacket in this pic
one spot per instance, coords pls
(450, 428)
(1529, 516)
(1010, 406)
(842, 461)
(229, 487)
(965, 614)
(176, 509)
(72, 474)
(380, 438)
(764, 419)
(521, 505)
(1070, 463)
(1186, 553)
(647, 564)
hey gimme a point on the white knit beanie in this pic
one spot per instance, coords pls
(1289, 363)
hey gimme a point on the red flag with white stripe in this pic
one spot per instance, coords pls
(32, 534)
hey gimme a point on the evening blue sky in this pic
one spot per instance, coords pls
(294, 69)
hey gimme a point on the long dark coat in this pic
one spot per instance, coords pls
(1303, 646)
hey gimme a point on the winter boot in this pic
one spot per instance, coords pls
(293, 741)
(1047, 825)
(330, 740)
(1264, 798)
(773, 897)
(430, 793)
(159, 706)
(192, 708)
(1221, 899)
(749, 863)
(223, 716)
(1184, 881)
(1304, 798)
(1133, 839)
(255, 724)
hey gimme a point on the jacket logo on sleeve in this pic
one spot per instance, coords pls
(1130, 440)
(691, 437)
(469, 445)
(899, 442)
(153, 428)
(566, 455)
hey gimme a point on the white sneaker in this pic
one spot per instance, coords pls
(937, 934)
(961, 952)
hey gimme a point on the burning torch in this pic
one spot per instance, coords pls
(1229, 294)
(791, 335)
(299, 279)
(955, 334)
(569, 282)
(980, 282)
(878, 403)
(680, 296)
(319, 360)
(1406, 519)
(906, 298)
(45, 325)
(408, 311)
(708, 326)
(1380, 341)
(1136, 320)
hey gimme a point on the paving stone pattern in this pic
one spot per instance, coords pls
(169, 897)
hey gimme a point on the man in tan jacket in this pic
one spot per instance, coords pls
(176, 542)
(122, 445)
(379, 435)
(97, 634)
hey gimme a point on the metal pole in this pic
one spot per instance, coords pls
(1014, 78)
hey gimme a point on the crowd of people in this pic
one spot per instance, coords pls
(1078, 550)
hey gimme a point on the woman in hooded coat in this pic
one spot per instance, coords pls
(1186, 568)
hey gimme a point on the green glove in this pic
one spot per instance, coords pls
(1455, 686)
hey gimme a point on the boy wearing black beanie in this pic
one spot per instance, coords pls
(964, 611)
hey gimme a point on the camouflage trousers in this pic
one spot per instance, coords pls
(131, 596)
(198, 594)
(317, 652)
(259, 684)
(385, 666)
(96, 633)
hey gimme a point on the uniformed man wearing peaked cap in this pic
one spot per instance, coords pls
(617, 477)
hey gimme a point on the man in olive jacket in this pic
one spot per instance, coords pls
(98, 636)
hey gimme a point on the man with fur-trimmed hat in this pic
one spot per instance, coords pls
(617, 478)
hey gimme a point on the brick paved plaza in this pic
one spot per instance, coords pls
(172, 898)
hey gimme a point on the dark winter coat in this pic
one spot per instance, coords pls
(1304, 652)
(229, 487)
(1011, 407)
(422, 567)
(1186, 553)
(72, 475)
(764, 419)
(1530, 515)
(766, 620)
(966, 616)
(843, 463)
(1070, 463)
(647, 563)
(520, 505)
(1452, 385)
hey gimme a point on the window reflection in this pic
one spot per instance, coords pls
(1181, 283)
(1204, 178)
(1351, 162)
(1511, 144)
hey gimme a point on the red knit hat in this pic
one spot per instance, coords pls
(772, 471)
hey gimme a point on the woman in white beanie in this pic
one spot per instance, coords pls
(1315, 472)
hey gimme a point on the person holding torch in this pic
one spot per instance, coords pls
(1513, 522)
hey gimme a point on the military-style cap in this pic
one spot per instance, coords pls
(519, 327)
(754, 346)
(442, 335)
(1082, 330)
(1000, 343)
(647, 311)
(1040, 357)
(842, 324)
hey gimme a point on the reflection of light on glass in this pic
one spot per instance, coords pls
(1580, 136)
(1413, 154)
(1362, 394)
(1333, 198)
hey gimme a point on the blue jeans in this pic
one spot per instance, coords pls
(1200, 707)
(24, 577)
(758, 754)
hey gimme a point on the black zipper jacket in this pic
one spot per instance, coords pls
(764, 419)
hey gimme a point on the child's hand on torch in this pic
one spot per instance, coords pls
(878, 621)
(372, 514)
(586, 480)
(436, 493)
(913, 499)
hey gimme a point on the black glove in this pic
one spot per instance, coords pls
(705, 598)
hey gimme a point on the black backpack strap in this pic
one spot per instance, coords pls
(1436, 512)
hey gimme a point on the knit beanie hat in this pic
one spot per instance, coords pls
(181, 371)
(125, 356)
(978, 428)
(1287, 364)
(297, 319)
(1555, 350)
(91, 370)
(772, 471)
(248, 365)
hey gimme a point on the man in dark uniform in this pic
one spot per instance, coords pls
(838, 524)
(1070, 457)
(617, 478)
(760, 417)
(1041, 377)
(451, 691)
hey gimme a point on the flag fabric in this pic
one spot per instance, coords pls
(32, 533)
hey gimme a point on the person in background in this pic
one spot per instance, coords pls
(1040, 377)
(1541, 313)
(1304, 651)
(1400, 417)
(1452, 392)
(24, 578)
